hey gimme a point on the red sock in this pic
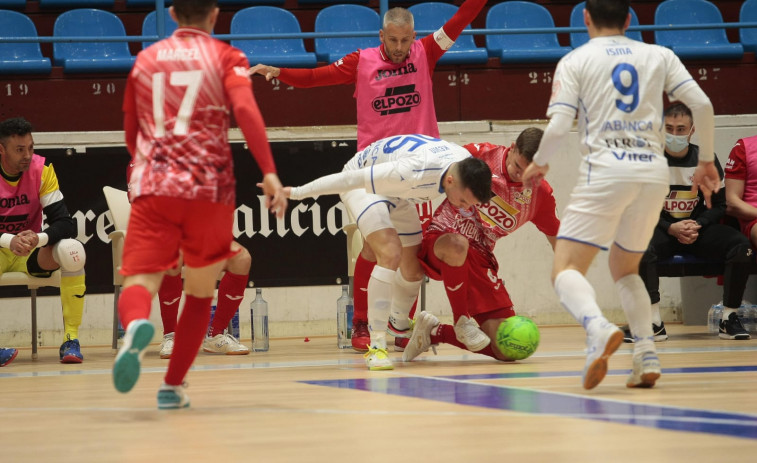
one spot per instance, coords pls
(230, 295)
(134, 303)
(190, 331)
(446, 334)
(455, 281)
(363, 269)
(169, 296)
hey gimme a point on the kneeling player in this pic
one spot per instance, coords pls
(458, 249)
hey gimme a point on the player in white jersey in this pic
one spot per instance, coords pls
(615, 84)
(378, 186)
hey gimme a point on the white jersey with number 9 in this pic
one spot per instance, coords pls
(615, 84)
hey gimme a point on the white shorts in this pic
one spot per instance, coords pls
(375, 212)
(623, 212)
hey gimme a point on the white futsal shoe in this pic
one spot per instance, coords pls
(469, 333)
(601, 343)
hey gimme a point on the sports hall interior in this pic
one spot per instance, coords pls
(307, 400)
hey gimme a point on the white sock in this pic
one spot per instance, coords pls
(404, 294)
(656, 318)
(578, 297)
(379, 301)
(634, 299)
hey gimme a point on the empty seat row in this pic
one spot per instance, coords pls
(112, 56)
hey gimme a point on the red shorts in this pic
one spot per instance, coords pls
(159, 226)
(486, 292)
(746, 228)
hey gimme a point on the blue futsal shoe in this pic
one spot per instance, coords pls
(7, 355)
(70, 351)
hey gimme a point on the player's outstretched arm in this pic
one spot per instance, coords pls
(533, 174)
(268, 71)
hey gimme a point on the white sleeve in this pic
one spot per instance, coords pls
(704, 119)
(559, 126)
(330, 184)
(392, 178)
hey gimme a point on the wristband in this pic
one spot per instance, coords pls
(43, 239)
(5, 240)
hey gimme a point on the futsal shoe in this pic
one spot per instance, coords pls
(361, 337)
(420, 341)
(166, 346)
(601, 343)
(224, 344)
(468, 332)
(397, 332)
(138, 335)
(731, 328)
(70, 351)
(658, 331)
(377, 359)
(172, 397)
(7, 355)
(646, 370)
(400, 343)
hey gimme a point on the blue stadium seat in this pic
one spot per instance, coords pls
(748, 15)
(20, 58)
(344, 18)
(250, 2)
(431, 16)
(577, 20)
(522, 48)
(146, 3)
(694, 43)
(107, 4)
(91, 56)
(275, 52)
(150, 25)
(13, 4)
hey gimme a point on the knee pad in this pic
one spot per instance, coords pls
(69, 254)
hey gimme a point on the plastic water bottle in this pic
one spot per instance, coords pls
(753, 317)
(713, 317)
(259, 318)
(744, 313)
(234, 329)
(344, 311)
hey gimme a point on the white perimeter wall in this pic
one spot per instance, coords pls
(525, 257)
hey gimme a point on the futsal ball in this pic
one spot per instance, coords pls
(517, 337)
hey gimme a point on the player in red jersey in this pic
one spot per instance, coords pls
(400, 65)
(458, 248)
(176, 120)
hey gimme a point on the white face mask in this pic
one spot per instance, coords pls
(676, 143)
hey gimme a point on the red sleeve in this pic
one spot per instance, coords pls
(340, 72)
(735, 168)
(452, 28)
(545, 217)
(478, 149)
(131, 124)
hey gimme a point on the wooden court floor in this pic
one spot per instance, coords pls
(310, 402)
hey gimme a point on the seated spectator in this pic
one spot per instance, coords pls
(741, 186)
(688, 226)
(24, 246)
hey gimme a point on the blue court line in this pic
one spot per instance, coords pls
(456, 390)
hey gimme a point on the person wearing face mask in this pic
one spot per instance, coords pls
(687, 226)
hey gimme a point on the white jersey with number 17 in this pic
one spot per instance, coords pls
(615, 84)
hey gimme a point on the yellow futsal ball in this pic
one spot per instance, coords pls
(517, 337)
